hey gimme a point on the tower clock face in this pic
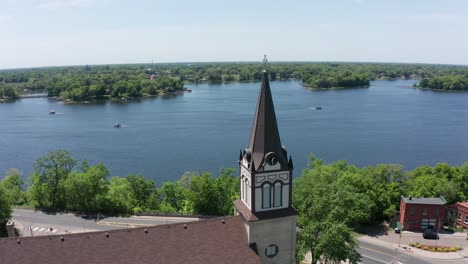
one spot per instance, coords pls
(272, 159)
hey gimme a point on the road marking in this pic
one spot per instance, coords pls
(42, 229)
(35, 228)
(55, 230)
(381, 261)
(380, 252)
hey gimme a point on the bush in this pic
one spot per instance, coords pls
(418, 245)
(446, 249)
(137, 210)
(453, 249)
(425, 247)
(458, 248)
(439, 250)
(411, 244)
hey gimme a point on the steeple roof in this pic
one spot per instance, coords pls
(265, 136)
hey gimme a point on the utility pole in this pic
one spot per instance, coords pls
(401, 232)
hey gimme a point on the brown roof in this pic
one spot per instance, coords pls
(249, 216)
(463, 204)
(265, 136)
(206, 241)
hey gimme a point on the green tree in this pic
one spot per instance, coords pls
(50, 173)
(86, 191)
(226, 188)
(141, 189)
(119, 197)
(5, 210)
(173, 197)
(13, 186)
(326, 211)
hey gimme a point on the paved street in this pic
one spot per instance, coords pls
(376, 254)
(377, 251)
(34, 223)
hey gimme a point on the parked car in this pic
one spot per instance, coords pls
(430, 234)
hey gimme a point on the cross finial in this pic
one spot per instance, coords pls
(264, 61)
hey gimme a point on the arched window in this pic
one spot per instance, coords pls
(277, 194)
(242, 184)
(247, 191)
(266, 195)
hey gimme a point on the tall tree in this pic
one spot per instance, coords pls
(326, 211)
(13, 186)
(50, 173)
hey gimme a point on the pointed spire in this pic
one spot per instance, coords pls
(290, 163)
(265, 136)
(240, 155)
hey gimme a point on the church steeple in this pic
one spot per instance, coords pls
(265, 136)
(266, 186)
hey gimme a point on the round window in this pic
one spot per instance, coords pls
(271, 250)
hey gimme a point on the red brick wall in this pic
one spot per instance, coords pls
(412, 216)
(464, 213)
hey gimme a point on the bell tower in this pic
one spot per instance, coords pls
(266, 186)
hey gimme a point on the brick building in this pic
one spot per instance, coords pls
(418, 214)
(461, 214)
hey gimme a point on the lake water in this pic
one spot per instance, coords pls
(163, 137)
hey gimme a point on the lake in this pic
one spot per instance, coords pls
(161, 138)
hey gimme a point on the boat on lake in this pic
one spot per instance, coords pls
(52, 112)
(316, 108)
(117, 125)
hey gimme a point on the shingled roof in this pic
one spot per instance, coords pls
(220, 240)
(265, 136)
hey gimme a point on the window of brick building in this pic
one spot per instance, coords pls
(459, 217)
(466, 219)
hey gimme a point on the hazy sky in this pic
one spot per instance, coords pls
(69, 32)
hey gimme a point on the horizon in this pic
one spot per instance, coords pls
(233, 62)
(60, 33)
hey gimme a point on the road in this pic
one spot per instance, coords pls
(36, 223)
(377, 254)
(374, 254)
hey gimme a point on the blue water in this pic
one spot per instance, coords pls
(163, 137)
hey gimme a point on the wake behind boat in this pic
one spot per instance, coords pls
(315, 108)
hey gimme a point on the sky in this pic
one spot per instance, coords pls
(36, 33)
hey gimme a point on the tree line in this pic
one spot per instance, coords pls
(88, 83)
(332, 199)
(8, 92)
(448, 83)
(82, 83)
(61, 183)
